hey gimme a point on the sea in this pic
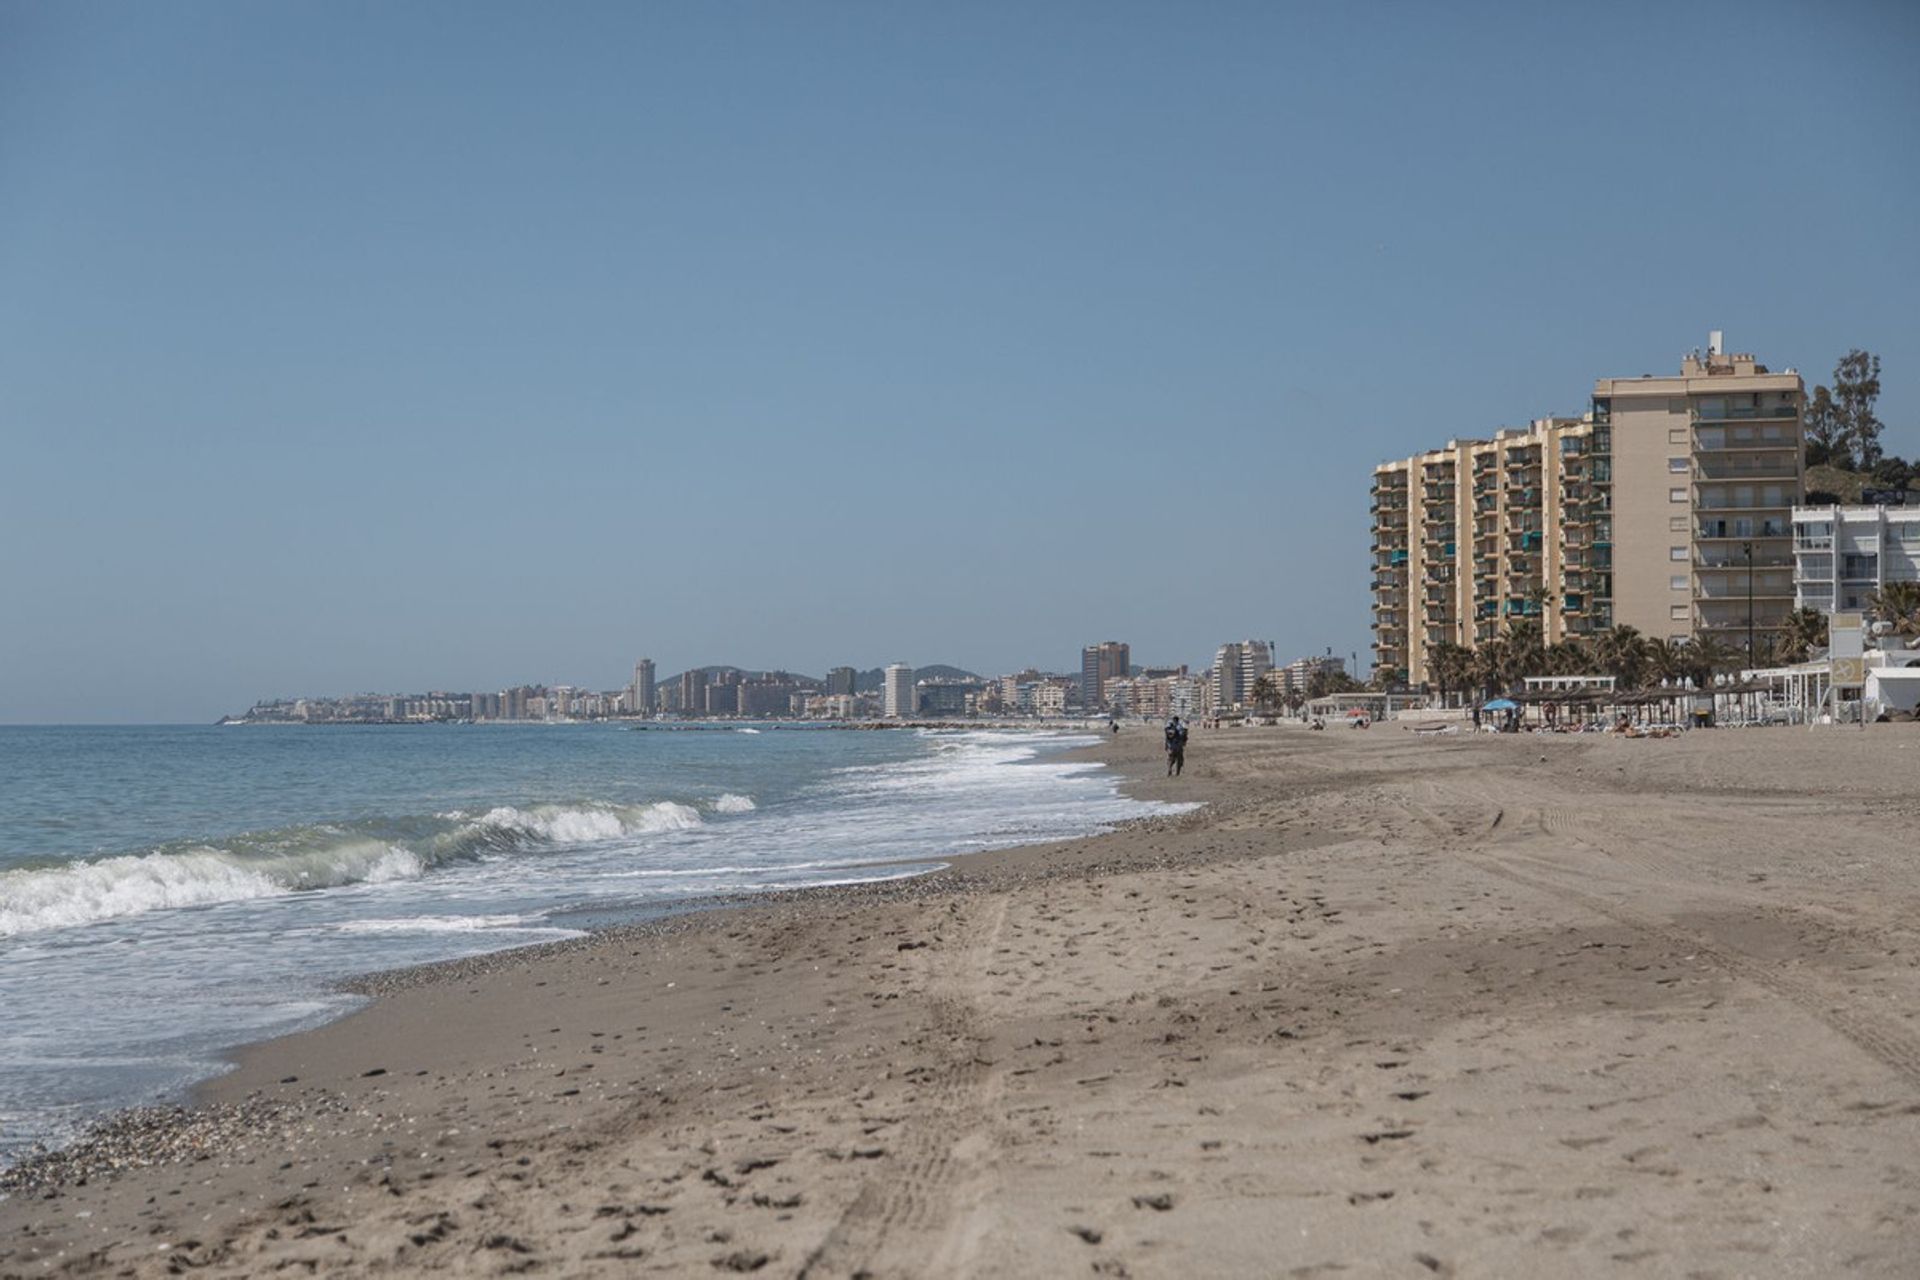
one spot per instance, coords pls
(170, 893)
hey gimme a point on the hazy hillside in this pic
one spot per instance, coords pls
(1845, 485)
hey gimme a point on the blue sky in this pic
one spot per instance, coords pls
(458, 345)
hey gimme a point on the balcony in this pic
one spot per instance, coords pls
(1723, 559)
(1765, 587)
(1740, 531)
(1732, 439)
(1716, 500)
(1746, 413)
(1752, 466)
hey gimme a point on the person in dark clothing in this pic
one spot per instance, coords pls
(1176, 747)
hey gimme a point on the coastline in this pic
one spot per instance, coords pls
(1384, 999)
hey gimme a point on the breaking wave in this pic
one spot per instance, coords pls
(731, 803)
(300, 859)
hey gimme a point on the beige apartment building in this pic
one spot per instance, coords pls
(1654, 510)
(1473, 536)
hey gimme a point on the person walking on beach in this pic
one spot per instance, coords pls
(1176, 747)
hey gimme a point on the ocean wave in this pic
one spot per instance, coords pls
(107, 888)
(731, 803)
(301, 859)
(453, 924)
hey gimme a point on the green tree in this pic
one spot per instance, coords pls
(1452, 667)
(1322, 683)
(1622, 654)
(1805, 631)
(1493, 667)
(1820, 422)
(1893, 473)
(1840, 425)
(1899, 604)
(1266, 691)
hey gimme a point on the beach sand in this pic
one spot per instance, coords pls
(1390, 1005)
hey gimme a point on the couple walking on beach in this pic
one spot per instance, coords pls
(1176, 747)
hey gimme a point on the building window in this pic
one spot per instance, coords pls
(1677, 466)
(1676, 435)
(1676, 495)
(1679, 612)
(1678, 582)
(1676, 553)
(1676, 524)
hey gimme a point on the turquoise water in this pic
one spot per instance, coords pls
(168, 893)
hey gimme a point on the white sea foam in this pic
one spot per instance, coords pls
(297, 859)
(109, 888)
(731, 803)
(584, 824)
(454, 924)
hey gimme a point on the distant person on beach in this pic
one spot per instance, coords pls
(1176, 747)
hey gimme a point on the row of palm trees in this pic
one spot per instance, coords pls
(1636, 661)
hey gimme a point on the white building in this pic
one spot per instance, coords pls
(897, 688)
(1842, 555)
(1235, 668)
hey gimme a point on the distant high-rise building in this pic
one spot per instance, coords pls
(1099, 663)
(1298, 674)
(1236, 666)
(640, 693)
(840, 682)
(693, 693)
(897, 688)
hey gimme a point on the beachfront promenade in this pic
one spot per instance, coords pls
(1389, 1005)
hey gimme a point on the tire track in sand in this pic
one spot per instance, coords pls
(909, 1218)
(1892, 1046)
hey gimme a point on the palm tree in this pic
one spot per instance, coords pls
(1707, 656)
(1493, 667)
(1898, 603)
(1567, 658)
(1665, 660)
(1621, 653)
(1266, 691)
(1806, 630)
(1452, 667)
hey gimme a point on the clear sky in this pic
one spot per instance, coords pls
(393, 346)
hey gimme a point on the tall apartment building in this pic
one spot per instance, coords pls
(693, 693)
(1298, 674)
(1100, 663)
(840, 682)
(1469, 537)
(896, 689)
(640, 699)
(1707, 468)
(1842, 555)
(1639, 513)
(1236, 666)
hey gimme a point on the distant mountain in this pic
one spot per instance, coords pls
(869, 681)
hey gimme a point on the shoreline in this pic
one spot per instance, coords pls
(1573, 1005)
(79, 1156)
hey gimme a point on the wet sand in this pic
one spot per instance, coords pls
(1389, 1005)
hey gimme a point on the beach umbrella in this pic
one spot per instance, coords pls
(1501, 704)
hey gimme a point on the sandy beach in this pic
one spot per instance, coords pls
(1389, 1004)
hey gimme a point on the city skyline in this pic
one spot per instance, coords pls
(411, 347)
